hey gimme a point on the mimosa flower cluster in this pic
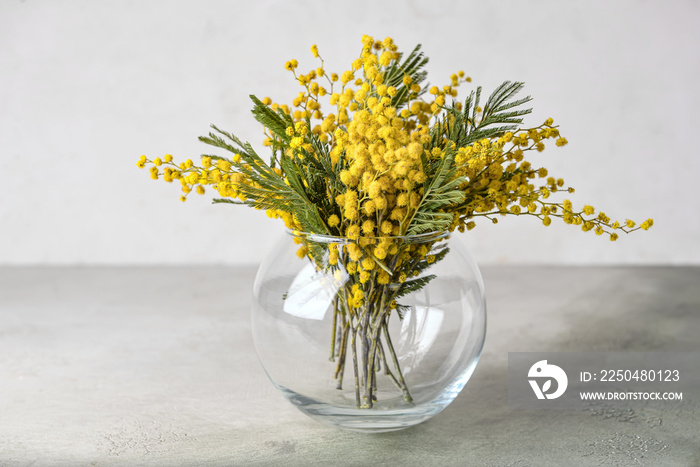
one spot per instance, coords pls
(375, 159)
(390, 157)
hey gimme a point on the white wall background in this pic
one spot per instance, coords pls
(87, 87)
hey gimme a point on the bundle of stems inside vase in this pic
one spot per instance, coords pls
(360, 332)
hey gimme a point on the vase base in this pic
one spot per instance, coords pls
(375, 420)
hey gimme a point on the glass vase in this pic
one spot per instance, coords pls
(369, 334)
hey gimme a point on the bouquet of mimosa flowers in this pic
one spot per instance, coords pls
(375, 156)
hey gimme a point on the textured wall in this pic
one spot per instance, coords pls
(87, 87)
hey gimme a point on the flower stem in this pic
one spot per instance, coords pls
(387, 371)
(354, 367)
(402, 383)
(370, 382)
(334, 331)
(340, 367)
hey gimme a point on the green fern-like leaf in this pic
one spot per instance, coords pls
(226, 201)
(497, 117)
(412, 66)
(277, 122)
(413, 285)
(269, 190)
(440, 192)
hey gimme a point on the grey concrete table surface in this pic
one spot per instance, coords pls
(156, 366)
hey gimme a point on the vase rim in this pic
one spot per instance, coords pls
(417, 238)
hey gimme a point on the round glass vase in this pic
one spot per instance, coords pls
(370, 334)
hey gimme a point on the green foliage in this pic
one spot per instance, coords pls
(276, 122)
(442, 190)
(469, 125)
(269, 190)
(414, 285)
(412, 66)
